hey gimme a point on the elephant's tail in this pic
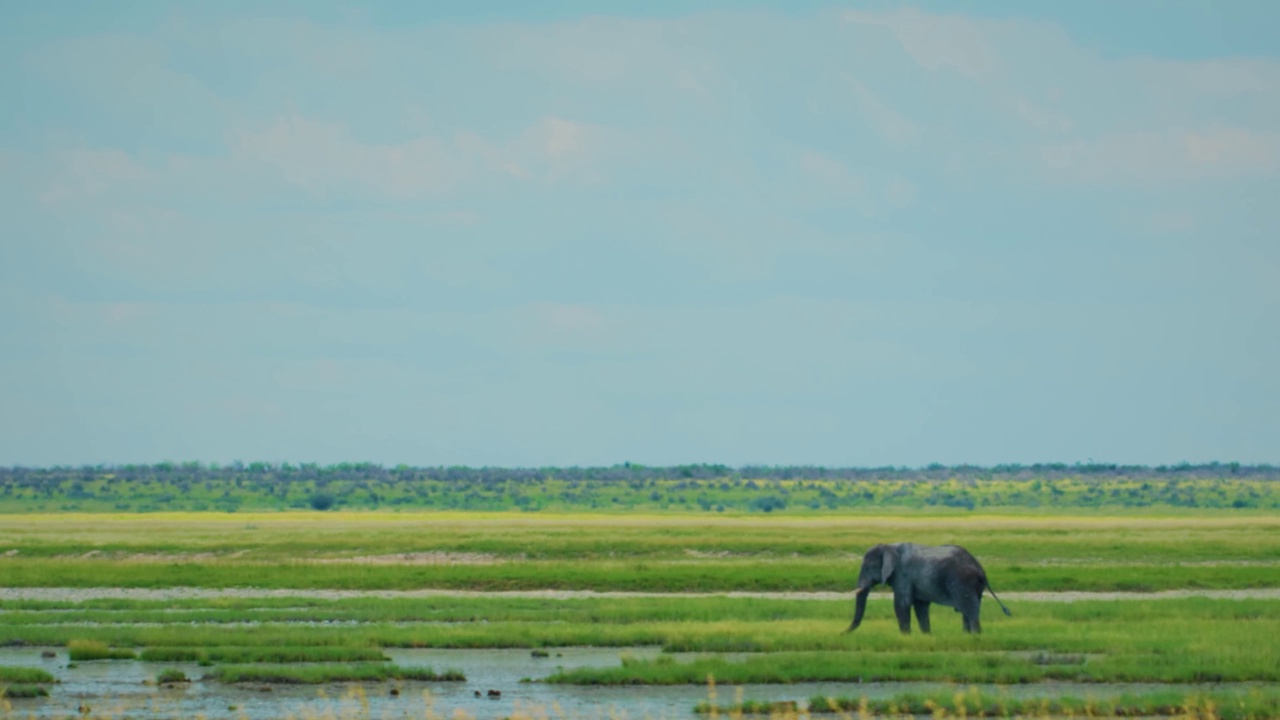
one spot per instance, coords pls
(997, 597)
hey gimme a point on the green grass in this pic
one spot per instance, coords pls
(452, 613)
(283, 538)
(737, 639)
(468, 635)
(321, 674)
(366, 551)
(1185, 640)
(1226, 705)
(23, 691)
(962, 667)
(641, 576)
(90, 649)
(268, 654)
(13, 675)
(171, 675)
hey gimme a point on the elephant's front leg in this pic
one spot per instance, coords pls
(902, 607)
(922, 615)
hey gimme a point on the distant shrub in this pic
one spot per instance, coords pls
(172, 675)
(322, 501)
(97, 650)
(768, 503)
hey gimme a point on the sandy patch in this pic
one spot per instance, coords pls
(175, 557)
(419, 558)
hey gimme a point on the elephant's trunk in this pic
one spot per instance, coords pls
(859, 607)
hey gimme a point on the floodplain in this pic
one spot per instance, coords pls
(257, 615)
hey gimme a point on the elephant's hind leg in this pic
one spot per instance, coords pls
(972, 613)
(922, 615)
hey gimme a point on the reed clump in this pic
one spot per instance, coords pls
(269, 654)
(85, 649)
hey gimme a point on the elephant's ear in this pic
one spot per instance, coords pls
(886, 567)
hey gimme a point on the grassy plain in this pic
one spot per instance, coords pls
(736, 640)
(670, 553)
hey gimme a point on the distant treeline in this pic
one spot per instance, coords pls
(633, 471)
(700, 487)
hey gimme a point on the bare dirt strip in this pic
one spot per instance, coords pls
(56, 594)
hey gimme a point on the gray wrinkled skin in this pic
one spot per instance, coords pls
(921, 575)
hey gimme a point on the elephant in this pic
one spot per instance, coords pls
(922, 574)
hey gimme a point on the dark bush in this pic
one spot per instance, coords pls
(322, 501)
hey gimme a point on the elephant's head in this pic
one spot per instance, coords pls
(877, 567)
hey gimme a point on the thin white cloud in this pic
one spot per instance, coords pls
(1185, 155)
(561, 318)
(1220, 77)
(561, 148)
(1040, 118)
(890, 124)
(901, 192)
(87, 172)
(832, 173)
(322, 157)
(325, 157)
(540, 327)
(936, 41)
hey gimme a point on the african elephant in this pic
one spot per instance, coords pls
(923, 574)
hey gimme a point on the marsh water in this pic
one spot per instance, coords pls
(126, 687)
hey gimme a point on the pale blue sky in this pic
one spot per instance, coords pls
(585, 233)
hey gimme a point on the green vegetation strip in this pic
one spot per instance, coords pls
(271, 654)
(1226, 705)
(1184, 640)
(320, 674)
(12, 675)
(965, 667)
(23, 691)
(373, 551)
(765, 575)
(24, 682)
(91, 649)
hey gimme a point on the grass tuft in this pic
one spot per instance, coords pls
(83, 649)
(24, 675)
(23, 691)
(172, 675)
(272, 654)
